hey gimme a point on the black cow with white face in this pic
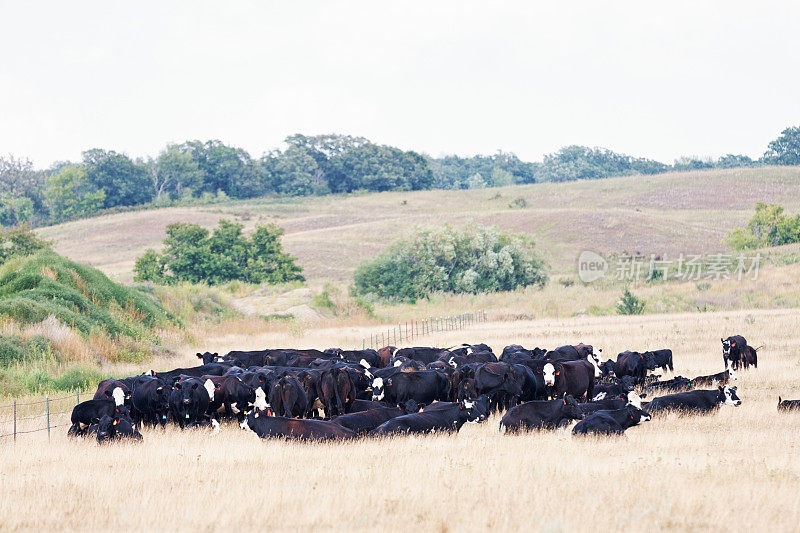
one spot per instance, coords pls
(696, 401)
(547, 414)
(614, 387)
(737, 353)
(612, 422)
(423, 387)
(90, 412)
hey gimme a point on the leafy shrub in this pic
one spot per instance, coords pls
(192, 254)
(10, 351)
(768, 227)
(630, 304)
(452, 260)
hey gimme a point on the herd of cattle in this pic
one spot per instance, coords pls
(341, 394)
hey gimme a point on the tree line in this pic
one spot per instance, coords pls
(308, 165)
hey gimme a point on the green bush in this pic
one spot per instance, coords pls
(77, 295)
(768, 227)
(10, 351)
(630, 304)
(192, 254)
(452, 260)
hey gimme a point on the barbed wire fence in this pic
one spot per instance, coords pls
(22, 418)
(409, 330)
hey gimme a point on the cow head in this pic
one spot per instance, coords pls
(107, 428)
(119, 396)
(636, 415)
(378, 391)
(549, 374)
(649, 360)
(634, 399)
(571, 408)
(207, 357)
(475, 410)
(731, 372)
(729, 396)
(210, 388)
(726, 346)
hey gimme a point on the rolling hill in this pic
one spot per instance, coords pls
(686, 212)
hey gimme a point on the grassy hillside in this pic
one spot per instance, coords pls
(59, 320)
(686, 212)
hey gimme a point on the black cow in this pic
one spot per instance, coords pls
(676, 384)
(368, 356)
(189, 401)
(634, 364)
(292, 428)
(211, 369)
(442, 416)
(365, 405)
(564, 353)
(788, 405)
(551, 382)
(208, 357)
(579, 377)
(662, 358)
(91, 411)
(363, 422)
(423, 387)
(107, 386)
(150, 402)
(287, 398)
(419, 353)
(736, 353)
(713, 380)
(501, 382)
(336, 391)
(232, 393)
(607, 368)
(612, 422)
(456, 361)
(696, 401)
(548, 414)
(117, 427)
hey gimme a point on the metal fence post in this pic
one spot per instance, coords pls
(47, 403)
(78, 394)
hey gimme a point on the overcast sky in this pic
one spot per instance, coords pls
(649, 79)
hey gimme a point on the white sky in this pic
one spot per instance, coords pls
(649, 79)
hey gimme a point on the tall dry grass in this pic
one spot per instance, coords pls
(732, 470)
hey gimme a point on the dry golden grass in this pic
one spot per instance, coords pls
(736, 469)
(685, 212)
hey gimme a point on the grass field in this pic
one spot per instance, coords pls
(736, 469)
(688, 212)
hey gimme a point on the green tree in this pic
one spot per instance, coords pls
(69, 194)
(452, 260)
(785, 150)
(192, 254)
(124, 181)
(174, 173)
(768, 227)
(630, 304)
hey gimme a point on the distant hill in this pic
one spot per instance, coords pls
(670, 213)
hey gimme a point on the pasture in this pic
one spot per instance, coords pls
(734, 469)
(679, 212)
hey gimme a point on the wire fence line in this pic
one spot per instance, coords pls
(410, 330)
(21, 418)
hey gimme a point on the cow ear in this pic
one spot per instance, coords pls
(199, 355)
(558, 372)
(733, 344)
(178, 386)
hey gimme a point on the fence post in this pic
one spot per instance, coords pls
(47, 403)
(78, 394)
(15, 420)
